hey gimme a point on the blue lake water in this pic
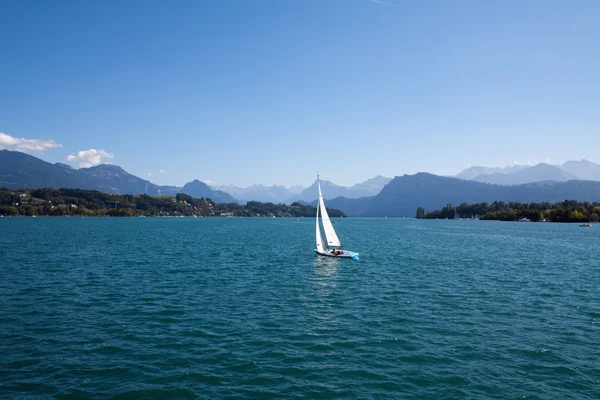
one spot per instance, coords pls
(231, 307)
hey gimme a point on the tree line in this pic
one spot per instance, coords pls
(564, 211)
(79, 202)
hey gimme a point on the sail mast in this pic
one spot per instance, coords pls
(320, 246)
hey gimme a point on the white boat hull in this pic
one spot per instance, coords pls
(343, 254)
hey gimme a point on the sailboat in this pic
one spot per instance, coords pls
(332, 247)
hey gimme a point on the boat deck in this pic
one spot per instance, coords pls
(342, 254)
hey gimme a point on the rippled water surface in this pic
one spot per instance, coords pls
(221, 308)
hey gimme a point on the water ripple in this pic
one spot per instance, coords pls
(241, 308)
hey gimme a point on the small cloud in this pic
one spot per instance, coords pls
(89, 158)
(383, 3)
(163, 171)
(516, 162)
(208, 181)
(21, 144)
(149, 173)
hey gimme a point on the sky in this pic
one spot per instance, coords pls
(275, 92)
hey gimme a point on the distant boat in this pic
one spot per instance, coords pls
(524, 220)
(333, 246)
(586, 225)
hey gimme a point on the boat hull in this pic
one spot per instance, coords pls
(344, 254)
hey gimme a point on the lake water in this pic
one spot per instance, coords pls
(231, 307)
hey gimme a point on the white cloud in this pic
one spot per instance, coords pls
(163, 171)
(21, 144)
(383, 3)
(149, 173)
(528, 162)
(91, 157)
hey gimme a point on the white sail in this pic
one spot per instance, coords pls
(330, 235)
(320, 246)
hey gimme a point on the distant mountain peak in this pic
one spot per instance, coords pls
(583, 160)
(66, 166)
(536, 173)
(370, 187)
(543, 165)
(18, 170)
(583, 169)
(199, 189)
(472, 172)
(112, 167)
(106, 170)
(375, 180)
(520, 174)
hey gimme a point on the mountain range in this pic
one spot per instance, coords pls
(19, 170)
(376, 197)
(282, 194)
(369, 187)
(521, 174)
(272, 194)
(402, 196)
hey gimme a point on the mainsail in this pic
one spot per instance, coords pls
(330, 235)
(320, 245)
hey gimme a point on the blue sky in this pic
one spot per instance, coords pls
(274, 92)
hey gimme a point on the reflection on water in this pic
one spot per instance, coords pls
(326, 266)
(324, 282)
